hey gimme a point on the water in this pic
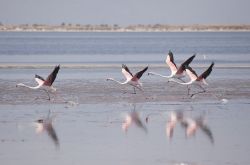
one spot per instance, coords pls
(89, 112)
(116, 48)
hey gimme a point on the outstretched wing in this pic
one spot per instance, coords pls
(51, 78)
(139, 74)
(39, 79)
(170, 62)
(126, 72)
(191, 73)
(205, 74)
(185, 64)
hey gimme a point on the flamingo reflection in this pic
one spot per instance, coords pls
(46, 124)
(133, 117)
(191, 125)
(173, 119)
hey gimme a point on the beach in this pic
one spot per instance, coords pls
(90, 120)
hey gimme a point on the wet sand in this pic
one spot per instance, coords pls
(89, 85)
(88, 114)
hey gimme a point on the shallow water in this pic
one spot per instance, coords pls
(92, 134)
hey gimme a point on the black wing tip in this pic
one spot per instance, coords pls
(211, 66)
(57, 66)
(170, 53)
(124, 66)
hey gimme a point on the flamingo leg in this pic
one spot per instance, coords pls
(188, 88)
(134, 90)
(47, 94)
(203, 91)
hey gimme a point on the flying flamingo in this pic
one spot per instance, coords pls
(195, 79)
(176, 72)
(43, 84)
(130, 79)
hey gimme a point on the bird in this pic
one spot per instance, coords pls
(176, 72)
(43, 84)
(131, 79)
(195, 79)
(45, 124)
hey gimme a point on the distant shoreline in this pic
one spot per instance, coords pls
(116, 28)
(109, 65)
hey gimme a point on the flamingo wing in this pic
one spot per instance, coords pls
(205, 74)
(138, 75)
(170, 62)
(126, 72)
(185, 64)
(191, 73)
(39, 79)
(51, 78)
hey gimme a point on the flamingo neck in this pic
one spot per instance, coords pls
(23, 85)
(157, 74)
(183, 83)
(111, 79)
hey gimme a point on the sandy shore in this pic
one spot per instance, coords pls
(102, 91)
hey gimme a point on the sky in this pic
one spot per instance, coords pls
(125, 12)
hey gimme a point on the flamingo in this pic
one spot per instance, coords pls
(176, 72)
(195, 79)
(43, 84)
(131, 79)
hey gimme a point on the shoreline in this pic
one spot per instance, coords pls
(129, 28)
(108, 65)
(124, 31)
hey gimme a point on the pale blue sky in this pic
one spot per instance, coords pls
(125, 12)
